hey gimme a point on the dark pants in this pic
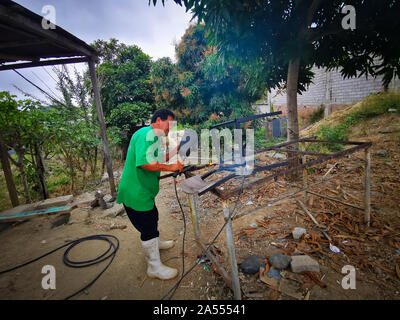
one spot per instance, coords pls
(146, 222)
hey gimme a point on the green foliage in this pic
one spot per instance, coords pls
(198, 87)
(265, 37)
(126, 89)
(372, 106)
(260, 141)
(57, 181)
(317, 114)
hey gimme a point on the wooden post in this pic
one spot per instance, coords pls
(99, 108)
(193, 213)
(367, 194)
(5, 163)
(304, 160)
(231, 247)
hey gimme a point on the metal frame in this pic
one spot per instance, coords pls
(233, 281)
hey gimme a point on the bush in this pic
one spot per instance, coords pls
(317, 114)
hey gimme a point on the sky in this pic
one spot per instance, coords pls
(153, 29)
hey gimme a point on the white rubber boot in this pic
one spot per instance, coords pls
(162, 245)
(155, 269)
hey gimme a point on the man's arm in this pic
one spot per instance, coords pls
(156, 166)
(169, 155)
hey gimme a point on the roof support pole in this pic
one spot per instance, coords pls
(367, 183)
(231, 247)
(99, 108)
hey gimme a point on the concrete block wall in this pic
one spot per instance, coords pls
(330, 89)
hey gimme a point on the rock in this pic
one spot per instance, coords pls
(54, 202)
(329, 166)
(279, 261)
(298, 232)
(116, 210)
(392, 110)
(389, 164)
(274, 273)
(252, 264)
(108, 198)
(304, 263)
(116, 174)
(382, 153)
(60, 219)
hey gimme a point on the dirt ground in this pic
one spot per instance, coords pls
(258, 229)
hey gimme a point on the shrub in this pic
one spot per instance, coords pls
(317, 114)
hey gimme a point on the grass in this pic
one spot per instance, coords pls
(57, 180)
(317, 114)
(260, 141)
(370, 107)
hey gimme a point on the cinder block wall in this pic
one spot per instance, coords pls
(330, 89)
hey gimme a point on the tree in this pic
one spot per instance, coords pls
(196, 86)
(126, 89)
(282, 40)
(22, 129)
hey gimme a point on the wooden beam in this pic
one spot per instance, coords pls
(42, 63)
(16, 44)
(13, 57)
(14, 18)
(99, 108)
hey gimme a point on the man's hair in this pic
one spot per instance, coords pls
(163, 114)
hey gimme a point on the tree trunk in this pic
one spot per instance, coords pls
(41, 172)
(94, 163)
(103, 164)
(291, 101)
(24, 182)
(12, 190)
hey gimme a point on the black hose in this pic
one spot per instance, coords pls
(81, 264)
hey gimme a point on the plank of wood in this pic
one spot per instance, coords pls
(35, 213)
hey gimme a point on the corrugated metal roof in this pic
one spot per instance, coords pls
(24, 40)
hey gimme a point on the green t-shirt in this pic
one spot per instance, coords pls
(138, 187)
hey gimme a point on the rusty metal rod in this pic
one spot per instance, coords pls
(336, 200)
(367, 196)
(228, 194)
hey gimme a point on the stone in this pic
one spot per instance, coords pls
(382, 153)
(304, 263)
(60, 219)
(298, 232)
(274, 273)
(114, 211)
(389, 164)
(116, 174)
(392, 110)
(54, 202)
(252, 264)
(279, 261)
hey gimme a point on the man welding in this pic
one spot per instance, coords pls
(139, 186)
